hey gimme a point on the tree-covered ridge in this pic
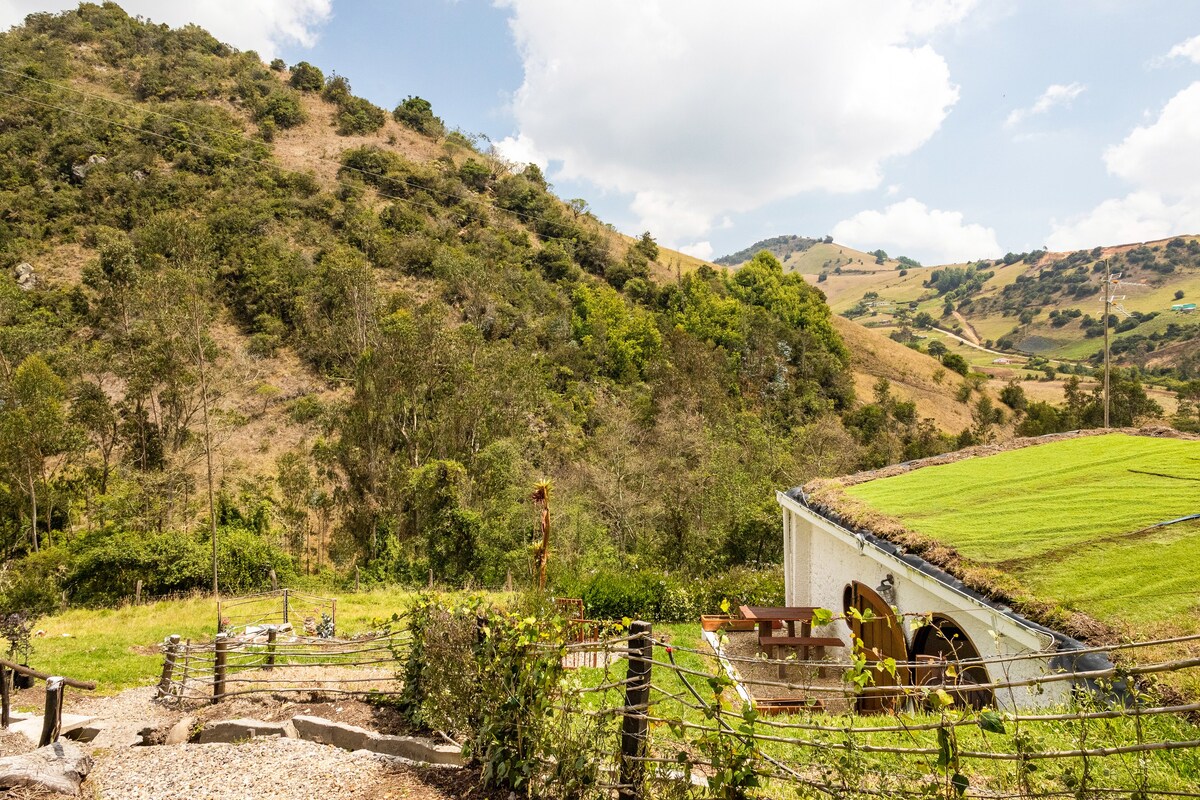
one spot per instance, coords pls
(404, 349)
(779, 246)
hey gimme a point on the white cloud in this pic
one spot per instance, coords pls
(702, 250)
(913, 229)
(1189, 49)
(260, 25)
(1159, 160)
(698, 112)
(519, 151)
(1056, 94)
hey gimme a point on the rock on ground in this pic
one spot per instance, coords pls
(58, 767)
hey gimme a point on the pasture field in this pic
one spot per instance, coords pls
(118, 647)
(1070, 519)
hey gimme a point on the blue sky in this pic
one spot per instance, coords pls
(940, 129)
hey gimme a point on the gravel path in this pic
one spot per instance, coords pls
(270, 767)
(280, 769)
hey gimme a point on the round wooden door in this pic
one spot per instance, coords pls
(882, 637)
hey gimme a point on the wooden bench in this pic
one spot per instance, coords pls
(801, 643)
(773, 706)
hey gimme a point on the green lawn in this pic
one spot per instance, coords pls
(825, 752)
(1059, 517)
(117, 648)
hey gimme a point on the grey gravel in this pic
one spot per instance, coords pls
(288, 769)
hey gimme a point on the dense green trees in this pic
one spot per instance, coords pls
(425, 339)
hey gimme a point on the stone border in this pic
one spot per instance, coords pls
(324, 731)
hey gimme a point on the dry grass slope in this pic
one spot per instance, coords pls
(914, 376)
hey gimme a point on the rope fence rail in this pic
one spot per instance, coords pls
(644, 713)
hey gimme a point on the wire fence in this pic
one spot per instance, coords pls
(633, 711)
(270, 662)
(307, 613)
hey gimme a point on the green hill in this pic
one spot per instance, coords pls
(1049, 304)
(235, 297)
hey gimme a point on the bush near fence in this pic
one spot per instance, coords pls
(665, 718)
(496, 678)
(664, 597)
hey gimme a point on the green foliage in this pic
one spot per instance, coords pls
(417, 113)
(356, 116)
(1013, 396)
(961, 281)
(656, 596)
(283, 109)
(307, 78)
(956, 362)
(623, 339)
(491, 675)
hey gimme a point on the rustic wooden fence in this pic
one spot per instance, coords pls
(308, 614)
(270, 662)
(56, 686)
(653, 713)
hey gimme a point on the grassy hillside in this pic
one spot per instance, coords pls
(236, 298)
(914, 376)
(1070, 520)
(1049, 304)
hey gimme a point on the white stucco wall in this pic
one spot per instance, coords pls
(821, 559)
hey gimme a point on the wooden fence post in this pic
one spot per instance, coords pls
(137, 593)
(5, 692)
(272, 631)
(333, 617)
(431, 579)
(221, 650)
(285, 606)
(168, 671)
(274, 580)
(356, 580)
(220, 626)
(52, 722)
(634, 724)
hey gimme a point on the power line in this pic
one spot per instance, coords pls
(261, 162)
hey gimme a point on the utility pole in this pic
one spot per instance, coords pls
(1107, 314)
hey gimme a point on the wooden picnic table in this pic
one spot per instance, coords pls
(767, 617)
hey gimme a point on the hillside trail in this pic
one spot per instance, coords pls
(266, 767)
(972, 335)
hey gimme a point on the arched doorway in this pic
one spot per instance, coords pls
(882, 638)
(939, 645)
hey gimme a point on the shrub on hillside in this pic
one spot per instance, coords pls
(307, 78)
(282, 108)
(107, 568)
(358, 116)
(417, 113)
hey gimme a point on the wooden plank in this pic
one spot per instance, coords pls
(89, 685)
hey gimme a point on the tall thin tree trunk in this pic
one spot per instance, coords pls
(212, 506)
(33, 508)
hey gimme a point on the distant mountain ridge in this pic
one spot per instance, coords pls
(779, 246)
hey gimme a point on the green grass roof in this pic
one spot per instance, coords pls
(1068, 519)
